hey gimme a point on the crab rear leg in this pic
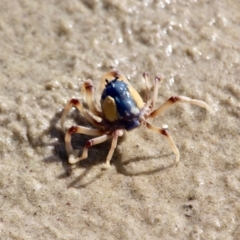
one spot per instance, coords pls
(155, 91)
(175, 99)
(116, 134)
(165, 133)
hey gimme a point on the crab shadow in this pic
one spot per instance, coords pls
(122, 167)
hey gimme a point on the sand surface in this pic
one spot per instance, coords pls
(48, 48)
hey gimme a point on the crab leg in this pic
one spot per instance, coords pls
(147, 91)
(116, 134)
(79, 129)
(165, 133)
(74, 159)
(155, 91)
(74, 102)
(87, 88)
(175, 99)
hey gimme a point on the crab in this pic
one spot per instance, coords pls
(122, 109)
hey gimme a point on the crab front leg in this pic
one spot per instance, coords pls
(74, 159)
(175, 99)
(73, 154)
(87, 89)
(165, 133)
(78, 129)
(75, 103)
(93, 132)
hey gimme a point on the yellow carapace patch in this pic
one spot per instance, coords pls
(109, 109)
(136, 97)
(111, 76)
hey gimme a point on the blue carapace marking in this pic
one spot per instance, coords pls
(128, 112)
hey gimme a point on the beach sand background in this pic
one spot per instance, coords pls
(48, 48)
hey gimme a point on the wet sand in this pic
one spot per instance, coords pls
(48, 48)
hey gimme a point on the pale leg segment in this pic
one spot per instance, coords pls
(77, 129)
(175, 99)
(81, 109)
(169, 139)
(155, 91)
(147, 91)
(73, 157)
(87, 90)
(116, 134)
